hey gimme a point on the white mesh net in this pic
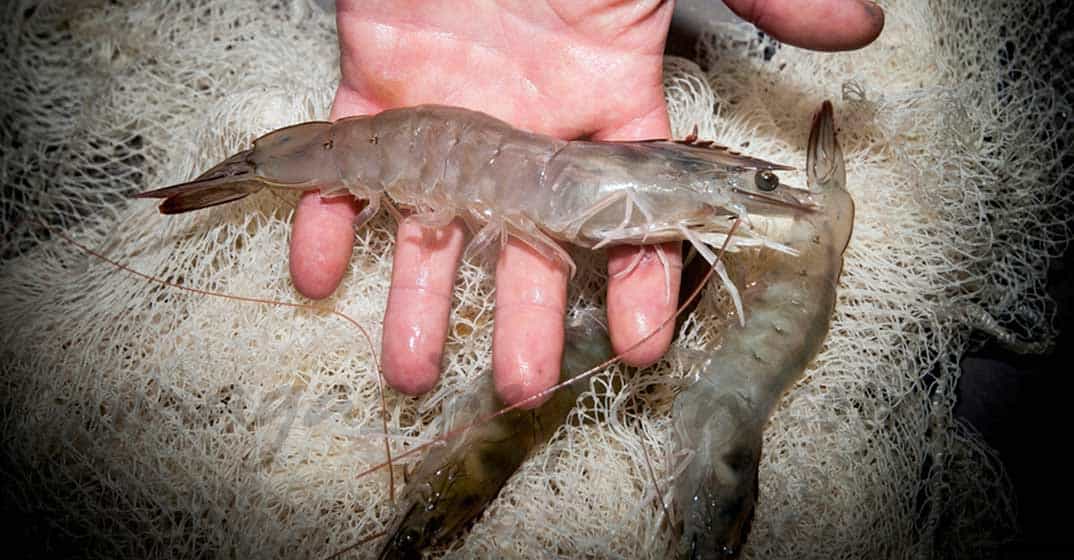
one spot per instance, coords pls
(146, 421)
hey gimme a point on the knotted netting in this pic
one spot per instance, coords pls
(143, 420)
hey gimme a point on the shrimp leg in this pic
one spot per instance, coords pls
(454, 482)
(721, 416)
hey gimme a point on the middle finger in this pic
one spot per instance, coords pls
(527, 340)
(419, 304)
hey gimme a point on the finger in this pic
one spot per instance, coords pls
(823, 25)
(419, 304)
(641, 301)
(322, 237)
(641, 293)
(321, 242)
(527, 341)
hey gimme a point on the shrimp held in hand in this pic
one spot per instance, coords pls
(448, 162)
(721, 416)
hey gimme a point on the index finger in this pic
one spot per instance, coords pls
(322, 236)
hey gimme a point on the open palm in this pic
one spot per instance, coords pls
(566, 68)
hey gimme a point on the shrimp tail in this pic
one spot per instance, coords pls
(718, 491)
(231, 180)
(453, 484)
(734, 511)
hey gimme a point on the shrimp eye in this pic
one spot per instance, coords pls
(409, 538)
(766, 180)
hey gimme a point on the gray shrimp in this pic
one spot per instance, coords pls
(456, 481)
(721, 416)
(448, 162)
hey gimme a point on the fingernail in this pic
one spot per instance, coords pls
(874, 10)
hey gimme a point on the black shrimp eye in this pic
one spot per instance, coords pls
(766, 180)
(409, 538)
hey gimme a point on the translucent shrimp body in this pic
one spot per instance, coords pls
(721, 416)
(448, 162)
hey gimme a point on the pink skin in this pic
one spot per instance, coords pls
(567, 68)
(820, 25)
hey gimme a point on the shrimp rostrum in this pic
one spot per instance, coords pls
(447, 162)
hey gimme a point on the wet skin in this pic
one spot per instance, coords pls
(605, 83)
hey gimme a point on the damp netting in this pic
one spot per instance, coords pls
(140, 420)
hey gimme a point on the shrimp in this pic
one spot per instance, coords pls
(448, 162)
(721, 416)
(455, 481)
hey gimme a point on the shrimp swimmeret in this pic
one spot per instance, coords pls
(721, 416)
(448, 162)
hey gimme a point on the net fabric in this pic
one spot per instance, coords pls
(163, 423)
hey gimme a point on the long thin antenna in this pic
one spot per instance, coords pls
(264, 301)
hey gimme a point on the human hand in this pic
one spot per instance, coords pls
(568, 69)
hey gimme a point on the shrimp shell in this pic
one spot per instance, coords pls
(448, 162)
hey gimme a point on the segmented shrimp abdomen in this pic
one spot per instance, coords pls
(400, 151)
(444, 158)
(496, 169)
(359, 159)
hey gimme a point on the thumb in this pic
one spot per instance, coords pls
(822, 25)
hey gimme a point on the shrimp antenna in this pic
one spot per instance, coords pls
(263, 301)
(656, 483)
(353, 546)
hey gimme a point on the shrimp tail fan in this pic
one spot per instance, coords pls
(231, 180)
